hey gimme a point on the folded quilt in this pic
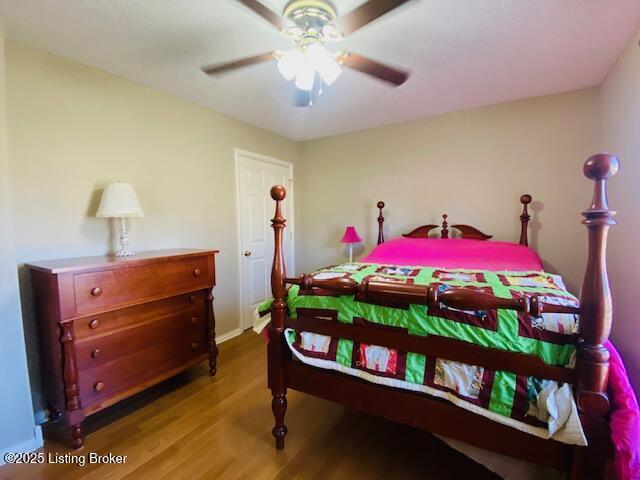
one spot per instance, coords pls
(538, 406)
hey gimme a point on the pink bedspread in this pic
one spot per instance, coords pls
(625, 419)
(456, 253)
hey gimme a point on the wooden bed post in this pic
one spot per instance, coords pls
(380, 206)
(525, 200)
(595, 325)
(445, 231)
(276, 348)
(595, 296)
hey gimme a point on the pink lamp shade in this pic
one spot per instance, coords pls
(351, 236)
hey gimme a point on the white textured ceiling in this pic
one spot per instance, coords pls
(461, 53)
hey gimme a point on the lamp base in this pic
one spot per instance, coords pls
(124, 250)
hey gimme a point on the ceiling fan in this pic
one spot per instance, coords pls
(310, 24)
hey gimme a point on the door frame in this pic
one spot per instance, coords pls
(290, 238)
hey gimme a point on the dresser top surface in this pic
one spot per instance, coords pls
(111, 261)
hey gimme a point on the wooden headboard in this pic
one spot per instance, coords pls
(466, 231)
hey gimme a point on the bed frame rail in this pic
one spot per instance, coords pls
(434, 346)
(459, 298)
(595, 310)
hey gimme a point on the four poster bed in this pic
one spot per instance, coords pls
(321, 338)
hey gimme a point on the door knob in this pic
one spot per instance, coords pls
(247, 253)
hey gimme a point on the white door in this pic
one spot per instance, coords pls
(256, 175)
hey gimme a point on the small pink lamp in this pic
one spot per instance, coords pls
(351, 236)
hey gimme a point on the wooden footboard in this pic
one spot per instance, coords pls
(427, 413)
(589, 378)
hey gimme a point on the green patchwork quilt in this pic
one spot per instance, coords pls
(552, 338)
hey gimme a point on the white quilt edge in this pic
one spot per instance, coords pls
(571, 432)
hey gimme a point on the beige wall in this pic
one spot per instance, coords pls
(619, 114)
(473, 165)
(73, 128)
(18, 431)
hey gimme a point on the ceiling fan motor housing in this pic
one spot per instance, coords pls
(313, 20)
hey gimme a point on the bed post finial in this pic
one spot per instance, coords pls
(525, 200)
(380, 206)
(595, 296)
(445, 230)
(276, 350)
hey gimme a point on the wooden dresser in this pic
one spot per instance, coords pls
(111, 327)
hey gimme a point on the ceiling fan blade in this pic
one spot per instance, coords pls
(269, 15)
(221, 68)
(366, 13)
(375, 69)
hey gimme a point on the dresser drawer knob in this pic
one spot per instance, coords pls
(194, 320)
(192, 298)
(93, 324)
(194, 346)
(96, 353)
(197, 272)
(98, 387)
(96, 291)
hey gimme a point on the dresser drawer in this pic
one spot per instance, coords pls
(97, 350)
(103, 323)
(106, 289)
(99, 383)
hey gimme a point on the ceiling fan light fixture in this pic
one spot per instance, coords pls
(323, 62)
(293, 32)
(330, 34)
(305, 76)
(290, 63)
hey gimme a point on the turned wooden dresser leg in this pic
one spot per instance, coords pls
(74, 414)
(77, 438)
(211, 336)
(213, 365)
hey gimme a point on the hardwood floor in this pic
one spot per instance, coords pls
(193, 426)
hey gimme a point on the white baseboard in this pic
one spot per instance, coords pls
(229, 335)
(25, 446)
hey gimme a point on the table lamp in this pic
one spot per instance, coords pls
(351, 236)
(119, 200)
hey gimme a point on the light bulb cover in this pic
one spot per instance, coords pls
(323, 62)
(290, 62)
(305, 76)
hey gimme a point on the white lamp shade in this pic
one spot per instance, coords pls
(119, 200)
